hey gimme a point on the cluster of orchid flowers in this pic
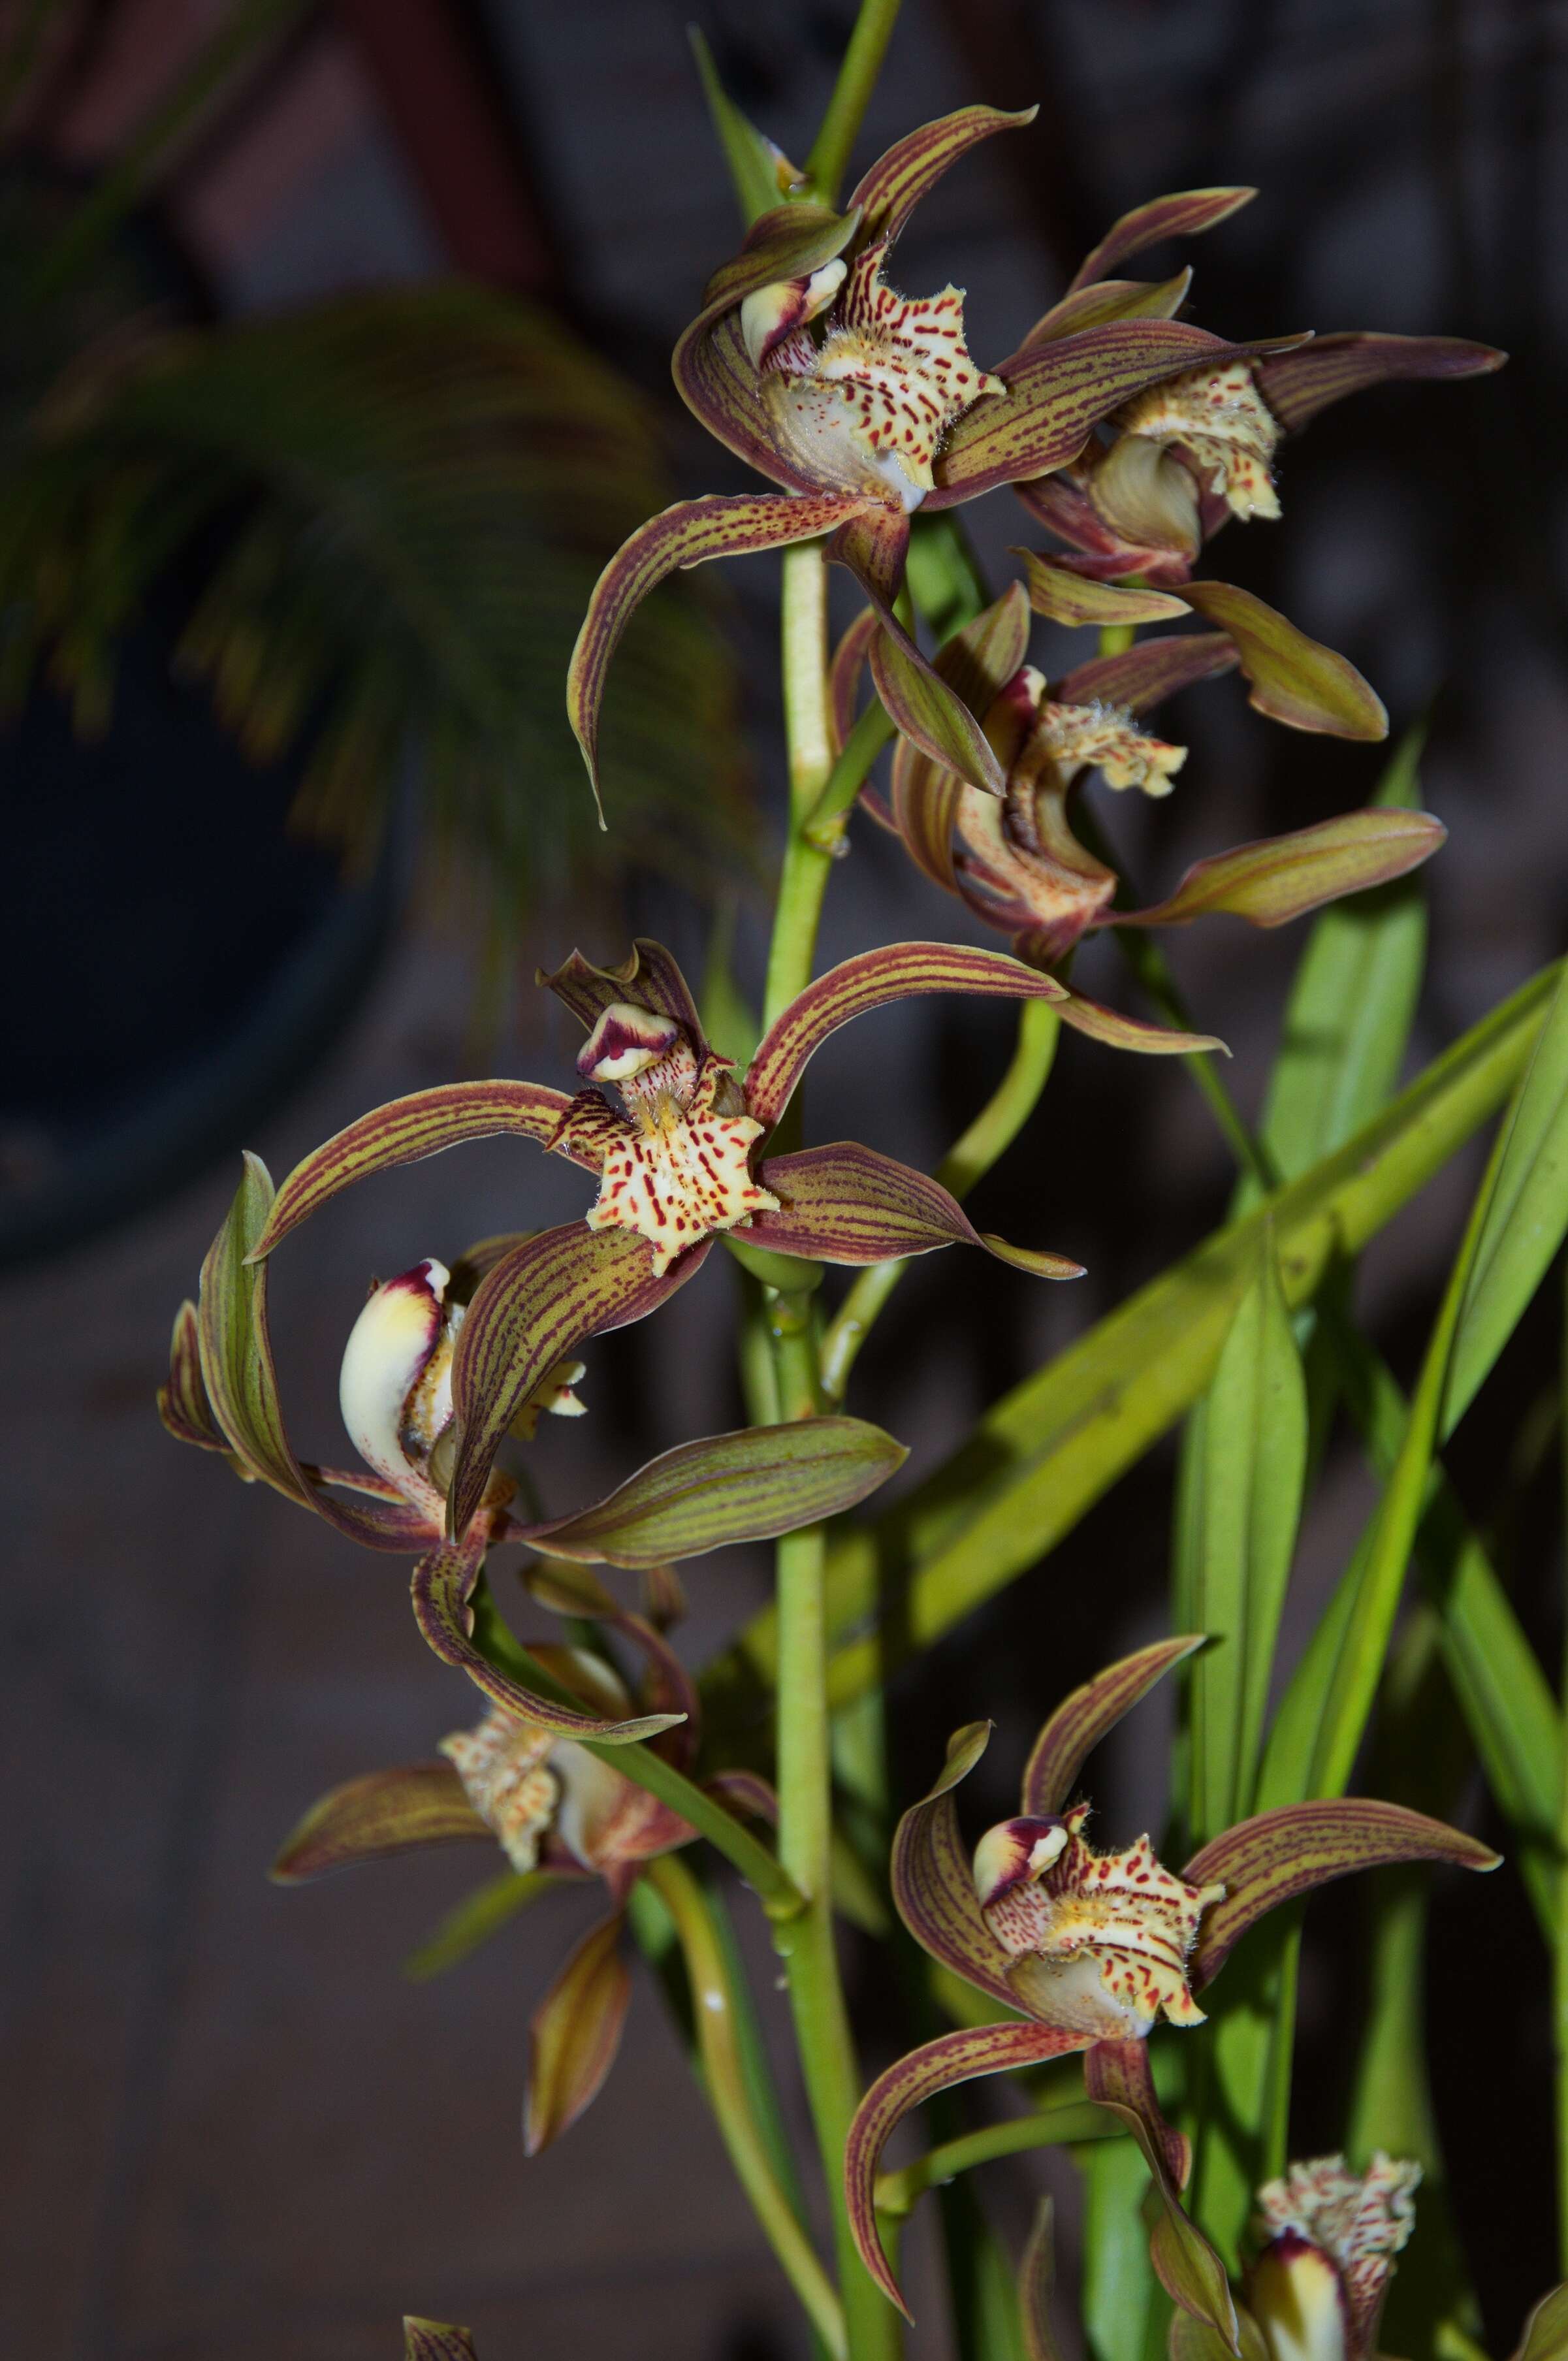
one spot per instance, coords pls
(1132, 437)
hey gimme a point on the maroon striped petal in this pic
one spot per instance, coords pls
(789, 241)
(1116, 2076)
(1057, 393)
(978, 662)
(847, 1204)
(1060, 503)
(1278, 1855)
(849, 658)
(533, 1309)
(954, 2058)
(1118, 1032)
(1186, 213)
(717, 382)
(182, 1402)
(1076, 599)
(1294, 680)
(1282, 877)
(435, 2340)
(573, 2034)
(1081, 1721)
(1141, 676)
(896, 184)
(1296, 386)
(648, 976)
(400, 1810)
(690, 533)
(745, 1790)
(443, 1589)
(873, 980)
(933, 1883)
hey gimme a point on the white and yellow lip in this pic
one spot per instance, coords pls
(389, 1351)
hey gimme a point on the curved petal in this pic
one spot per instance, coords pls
(923, 801)
(689, 533)
(1185, 214)
(442, 1586)
(1060, 503)
(391, 1811)
(978, 662)
(1141, 676)
(1296, 386)
(954, 2058)
(717, 382)
(1294, 680)
(873, 980)
(845, 1203)
(1545, 2336)
(435, 2340)
(1081, 1721)
(1058, 392)
(1118, 1032)
(745, 1790)
(1116, 2076)
(896, 184)
(849, 658)
(182, 1402)
(1278, 1855)
(1075, 600)
(648, 976)
(574, 2034)
(932, 1883)
(1109, 299)
(789, 241)
(1282, 877)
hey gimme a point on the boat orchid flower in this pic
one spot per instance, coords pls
(1093, 1949)
(864, 405)
(1329, 2238)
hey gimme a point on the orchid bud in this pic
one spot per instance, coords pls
(770, 314)
(1317, 2291)
(395, 1387)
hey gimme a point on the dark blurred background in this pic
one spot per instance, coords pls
(290, 813)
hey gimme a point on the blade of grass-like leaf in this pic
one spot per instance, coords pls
(753, 161)
(1119, 2289)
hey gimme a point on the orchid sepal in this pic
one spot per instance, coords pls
(400, 1810)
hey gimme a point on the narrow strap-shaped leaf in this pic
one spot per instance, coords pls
(1296, 386)
(896, 184)
(435, 2340)
(1109, 299)
(845, 1203)
(1294, 680)
(649, 975)
(689, 533)
(182, 1402)
(749, 1486)
(1185, 214)
(1118, 1031)
(873, 980)
(573, 2034)
(443, 1589)
(404, 1131)
(952, 2059)
(1116, 2076)
(1064, 597)
(1036, 2273)
(1149, 670)
(753, 161)
(383, 1812)
(530, 1311)
(1282, 877)
(932, 1884)
(1274, 1857)
(1081, 1721)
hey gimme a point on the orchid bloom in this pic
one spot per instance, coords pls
(1330, 2236)
(1095, 1949)
(1016, 860)
(1181, 458)
(864, 405)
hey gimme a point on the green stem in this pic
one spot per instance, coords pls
(803, 880)
(713, 2021)
(1058, 2126)
(829, 154)
(972, 1154)
(825, 826)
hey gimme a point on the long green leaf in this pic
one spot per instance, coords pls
(1119, 2290)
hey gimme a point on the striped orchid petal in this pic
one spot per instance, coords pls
(1109, 299)
(690, 533)
(1141, 676)
(873, 980)
(443, 1589)
(1274, 1857)
(435, 2340)
(398, 1810)
(182, 1402)
(1116, 1031)
(717, 382)
(849, 659)
(847, 1204)
(1296, 386)
(1081, 1721)
(1282, 877)
(1075, 600)
(536, 1305)
(405, 1131)
(978, 662)
(1057, 393)
(649, 977)
(940, 2066)
(789, 241)
(896, 184)
(933, 1883)
(1116, 2076)
(573, 2034)
(1294, 680)
(1186, 213)
(1099, 550)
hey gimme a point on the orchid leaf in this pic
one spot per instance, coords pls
(1296, 386)
(745, 1487)
(1271, 1858)
(1117, 2077)
(1545, 2334)
(474, 1920)
(933, 1885)
(1063, 597)
(1109, 299)
(1185, 214)
(1294, 680)
(573, 2034)
(756, 164)
(435, 2340)
(1089, 1714)
(873, 980)
(940, 2065)
(1120, 2291)
(1149, 670)
(1037, 2273)
(1282, 877)
(896, 182)
(383, 1812)
(845, 1203)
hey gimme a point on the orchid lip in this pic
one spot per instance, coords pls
(389, 1352)
(625, 1042)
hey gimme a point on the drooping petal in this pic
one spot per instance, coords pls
(845, 1203)
(1116, 2076)
(977, 663)
(933, 1886)
(872, 980)
(1082, 1720)
(384, 1812)
(182, 1403)
(1281, 877)
(531, 1311)
(648, 975)
(1296, 386)
(1187, 213)
(435, 2340)
(849, 658)
(689, 533)
(1109, 299)
(573, 2034)
(718, 385)
(893, 186)
(1058, 392)
(1120, 1032)
(1063, 597)
(1275, 1856)
(1152, 669)
(443, 1588)
(749, 1486)
(942, 2064)
(1294, 680)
